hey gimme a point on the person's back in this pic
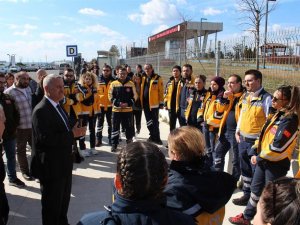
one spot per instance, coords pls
(192, 187)
(139, 182)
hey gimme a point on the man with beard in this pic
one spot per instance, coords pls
(187, 86)
(21, 94)
(104, 82)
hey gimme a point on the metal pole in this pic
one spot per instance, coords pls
(200, 48)
(218, 59)
(266, 31)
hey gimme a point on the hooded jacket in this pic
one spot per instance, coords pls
(194, 189)
(140, 212)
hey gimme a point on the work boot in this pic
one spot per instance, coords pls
(242, 201)
(98, 143)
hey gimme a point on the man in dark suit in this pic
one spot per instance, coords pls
(52, 152)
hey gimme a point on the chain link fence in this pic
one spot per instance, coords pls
(279, 59)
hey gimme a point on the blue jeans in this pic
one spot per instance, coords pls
(265, 171)
(10, 153)
(226, 142)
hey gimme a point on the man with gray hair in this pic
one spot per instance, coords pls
(52, 160)
(21, 94)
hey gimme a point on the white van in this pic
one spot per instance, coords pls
(63, 66)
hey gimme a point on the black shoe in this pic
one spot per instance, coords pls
(16, 183)
(242, 201)
(27, 177)
(167, 146)
(98, 143)
(137, 132)
(113, 148)
(128, 141)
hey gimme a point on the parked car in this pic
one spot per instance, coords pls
(62, 67)
(31, 68)
(14, 69)
(3, 69)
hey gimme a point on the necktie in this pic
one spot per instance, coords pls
(63, 115)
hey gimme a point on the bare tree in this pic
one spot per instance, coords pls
(254, 11)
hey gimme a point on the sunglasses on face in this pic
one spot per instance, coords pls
(274, 99)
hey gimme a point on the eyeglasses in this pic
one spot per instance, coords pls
(277, 99)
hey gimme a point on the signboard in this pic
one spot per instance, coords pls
(165, 33)
(71, 50)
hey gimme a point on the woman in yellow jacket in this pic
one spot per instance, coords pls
(273, 151)
(90, 108)
(211, 118)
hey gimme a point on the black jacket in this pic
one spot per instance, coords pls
(144, 212)
(12, 116)
(193, 189)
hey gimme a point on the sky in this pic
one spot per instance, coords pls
(40, 30)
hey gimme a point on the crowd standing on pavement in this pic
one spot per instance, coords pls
(258, 129)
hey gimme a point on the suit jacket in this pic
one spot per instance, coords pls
(51, 144)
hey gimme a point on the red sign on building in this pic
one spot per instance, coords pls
(165, 33)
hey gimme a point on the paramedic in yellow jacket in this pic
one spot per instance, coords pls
(122, 94)
(211, 117)
(90, 108)
(152, 99)
(256, 103)
(70, 103)
(229, 105)
(196, 103)
(273, 151)
(172, 96)
(104, 82)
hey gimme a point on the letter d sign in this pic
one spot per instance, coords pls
(71, 50)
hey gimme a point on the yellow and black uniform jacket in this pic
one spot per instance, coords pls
(211, 117)
(186, 87)
(122, 92)
(103, 87)
(70, 99)
(224, 106)
(199, 97)
(278, 138)
(156, 91)
(254, 113)
(168, 93)
(89, 100)
(298, 174)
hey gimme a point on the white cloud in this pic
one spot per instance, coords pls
(91, 12)
(210, 11)
(160, 28)
(182, 2)
(15, 1)
(100, 30)
(22, 30)
(55, 36)
(155, 12)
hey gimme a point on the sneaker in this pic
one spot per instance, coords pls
(27, 177)
(17, 183)
(84, 153)
(94, 151)
(239, 219)
(98, 143)
(242, 201)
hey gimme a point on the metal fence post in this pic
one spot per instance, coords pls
(218, 59)
(158, 63)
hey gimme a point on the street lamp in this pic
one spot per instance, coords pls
(201, 35)
(266, 31)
